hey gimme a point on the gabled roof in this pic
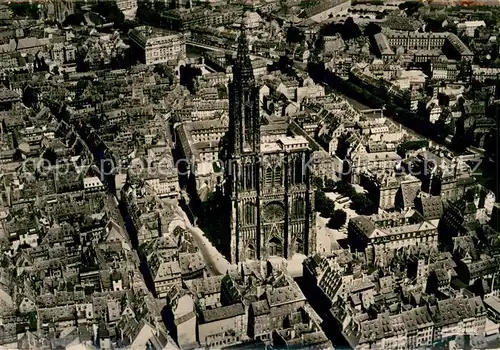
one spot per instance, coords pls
(27, 43)
(364, 224)
(221, 313)
(431, 207)
(409, 191)
(115, 232)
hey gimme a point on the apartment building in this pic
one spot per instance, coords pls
(155, 46)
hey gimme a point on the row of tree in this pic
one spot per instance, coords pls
(361, 203)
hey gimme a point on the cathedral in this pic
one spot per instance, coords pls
(266, 184)
(58, 10)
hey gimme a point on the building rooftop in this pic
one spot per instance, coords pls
(152, 32)
(431, 206)
(284, 295)
(493, 302)
(221, 313)
(260, 308)
(205, 286)
(287, 141)
(417, 318)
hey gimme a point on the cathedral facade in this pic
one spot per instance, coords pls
(58, 10)
(266, 185)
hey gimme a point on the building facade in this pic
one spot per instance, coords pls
(267, 184)
(125, 5)
(155, 46)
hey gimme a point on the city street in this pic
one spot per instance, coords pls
(216, 263)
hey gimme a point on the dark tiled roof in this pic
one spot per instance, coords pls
(409, 192)
(222, 313)
(364, 224)
(432, 207)
(260, 308)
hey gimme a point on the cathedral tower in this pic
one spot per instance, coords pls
(267, 185)
(244, 103)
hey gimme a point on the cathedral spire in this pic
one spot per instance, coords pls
(244, 116)
(243, 63)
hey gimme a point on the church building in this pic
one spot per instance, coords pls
(267, 184)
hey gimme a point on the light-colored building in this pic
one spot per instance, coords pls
(324, 165)
(165, 274)
(420, 42)
(92, 183)
(389, 186)
(382, 233)
(164, 186)
(221, 326)
(207, 291)
(199, 143)
(469, 27)
(481, 74)
(185, 320)
(125, 5)
(158, 46)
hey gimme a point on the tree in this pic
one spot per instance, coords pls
(50, 156)
(110, 11)
(294, 35)
(324, 205)
(411, 146)
(285, 64)
(319, 44)
(319, 200)
(345, 189)
(362, 204)
(350, 30)
(272, 108)
(74, 19)
(317, 182)
(410, 7)
(329, 184)
(30, 96)
(331, 29)
(188, 77)
(33, 321)
(372, 29)
(337, 220)
(328, 208)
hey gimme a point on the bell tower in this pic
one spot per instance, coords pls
(244, 116)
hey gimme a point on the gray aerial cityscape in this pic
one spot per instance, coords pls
(269, 174)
